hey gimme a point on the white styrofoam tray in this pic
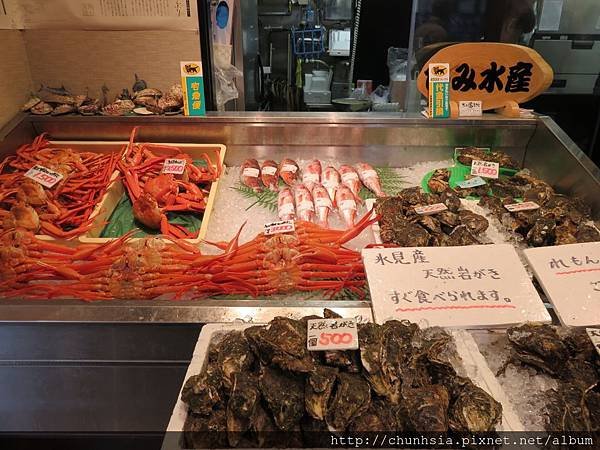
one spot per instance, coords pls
(473, 362)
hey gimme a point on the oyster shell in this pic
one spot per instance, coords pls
(205, 431)
(242, 404)
(30, 103)
(118, 108)
(427, 408)
(473, 410)
(379, 417)
(318, 390)
(63, 109)
(41, 108)
(439, 181)
(234, 357)
(352, 399)
(203, 392)
(284, 394)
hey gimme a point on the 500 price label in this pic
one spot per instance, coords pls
(485, 169)
(331, 334)
(44, 176)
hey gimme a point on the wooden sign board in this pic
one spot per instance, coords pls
(475, 286)
(501, 76)
(570, 277)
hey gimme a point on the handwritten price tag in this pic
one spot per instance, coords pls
(485, 169)
(473, 182)
(44, 176)
(174, 166)
(525, 206)
(331, 334)
(594, 334)
(430, 209)
(283, 226)
(470, 109)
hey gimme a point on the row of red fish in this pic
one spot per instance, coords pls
(255, 176)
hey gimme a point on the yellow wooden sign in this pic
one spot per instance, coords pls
(501, 76)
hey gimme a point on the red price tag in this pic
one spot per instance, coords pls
(485, 169)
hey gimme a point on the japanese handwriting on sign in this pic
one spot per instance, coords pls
(398, 257)
(596, 285)
(567, 263)
(442, 273)
(494, 78)
(464, 296)
(331, 334)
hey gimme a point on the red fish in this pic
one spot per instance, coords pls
(312, 174)
(331, 181)
(305, 207)
(323, 204)
(370, 178)
(250, 175)
(346, 203)
(269, 174)
(351, 180)
(289, 171)
(285, 204)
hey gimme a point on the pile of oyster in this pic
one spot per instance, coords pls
(559, 220)
(467, 155)
(262, 387)
(401, 225)
(569, 356)
(143, 100)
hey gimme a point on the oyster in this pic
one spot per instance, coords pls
(284, 394)
(539, 346)
(451, 199)
(467, 155)
(63, 109)
(41, 108)
(318, 390)
(473, 410)
(461, 236)
(30, 103)
(203, 392)
(439, 180)
(542, 232)
(242, 404)
(427, 408)
(282, 343)
(205, 431)
(475, 223)
(351, 400)
(379, 417)
(234, 357)
(118, 108)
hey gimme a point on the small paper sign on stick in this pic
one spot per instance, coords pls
(485, 169)
(570, 277)
(283, 226)
(174, 166)
(331, 334)
(452, 286)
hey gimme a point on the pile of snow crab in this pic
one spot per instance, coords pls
(65, 210)
(154, 192)
(310, 258)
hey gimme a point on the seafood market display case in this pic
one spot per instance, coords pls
(384, 141)
(125, 341)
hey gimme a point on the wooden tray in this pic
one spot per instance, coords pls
(113, 196)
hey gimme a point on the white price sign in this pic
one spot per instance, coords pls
(174, 166)
(430, 209)
(570, 277)
(331, 334)
(283, 226)
(44, 176)
(470, 109)
(485, 169)
(525, 206)
(452, 286)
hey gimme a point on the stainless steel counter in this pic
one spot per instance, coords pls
(382, 139)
